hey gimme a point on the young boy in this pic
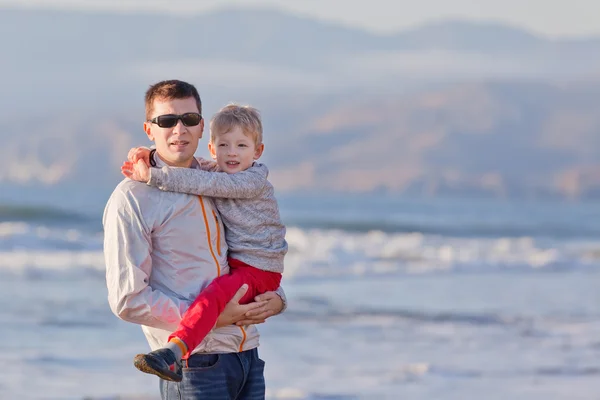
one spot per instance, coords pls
(254, 232)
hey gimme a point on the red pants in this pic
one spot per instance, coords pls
(202, 315)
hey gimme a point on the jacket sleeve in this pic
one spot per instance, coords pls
(127, 245)
(241, 185)
(283, 297)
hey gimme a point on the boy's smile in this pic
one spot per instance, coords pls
(235, 151)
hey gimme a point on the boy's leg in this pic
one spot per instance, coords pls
(258, 280)
(202, 316)
(203, 313)
(195, 324)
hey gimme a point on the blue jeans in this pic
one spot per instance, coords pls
(229, 376)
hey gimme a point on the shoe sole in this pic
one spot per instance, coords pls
(143, 365)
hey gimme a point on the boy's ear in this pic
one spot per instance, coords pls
(259, 150)
(213, 151)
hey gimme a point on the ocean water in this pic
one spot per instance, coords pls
(389, 299)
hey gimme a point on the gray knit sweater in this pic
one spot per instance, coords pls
(254, 232)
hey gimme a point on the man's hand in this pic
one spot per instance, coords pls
(264, 306)
(234, 311)
(272, 305)
(137, 172)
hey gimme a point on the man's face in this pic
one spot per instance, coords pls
(175, 146)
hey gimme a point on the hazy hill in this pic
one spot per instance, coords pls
(73, 53)
(264, 36)
(497, 139)
(502, 139)
(450, 107)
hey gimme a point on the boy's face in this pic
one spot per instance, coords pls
(175, 146)
(235, 151)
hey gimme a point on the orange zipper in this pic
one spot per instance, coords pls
(243, 339)
(241, 348)
(218, 233)
(208, 236)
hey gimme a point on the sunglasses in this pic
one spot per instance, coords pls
(170, 120)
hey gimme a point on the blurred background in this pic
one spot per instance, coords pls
(437, 165)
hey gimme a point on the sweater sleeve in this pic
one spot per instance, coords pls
(283, 297)
(207, 165)
(241, 185)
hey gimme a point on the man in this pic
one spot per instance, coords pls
(162, 248)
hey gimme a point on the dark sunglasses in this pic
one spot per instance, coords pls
(170, 120)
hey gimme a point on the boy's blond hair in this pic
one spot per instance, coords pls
(234, 115)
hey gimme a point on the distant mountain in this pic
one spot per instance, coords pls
(472, 36)
(67, 50)
(501, 139)
(263, 36)
(449, 107)
(258, 35)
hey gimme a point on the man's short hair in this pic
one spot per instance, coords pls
(234, 115)
(170, 90)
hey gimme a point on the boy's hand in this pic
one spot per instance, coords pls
(137, 172)
(139, 153)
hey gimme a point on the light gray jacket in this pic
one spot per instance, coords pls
(161, 249)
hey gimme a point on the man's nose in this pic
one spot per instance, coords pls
(179, 127)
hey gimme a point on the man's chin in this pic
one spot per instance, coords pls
(177, 159)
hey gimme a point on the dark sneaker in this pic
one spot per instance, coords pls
(159, 363)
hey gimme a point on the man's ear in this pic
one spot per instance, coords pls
(201, 128)
(148, 130)
(259, 150)
(213, 150)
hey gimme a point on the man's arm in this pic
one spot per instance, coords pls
(127, 245)
(241, 185)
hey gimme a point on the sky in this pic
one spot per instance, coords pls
(553, 18)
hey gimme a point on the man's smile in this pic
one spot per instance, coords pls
(179, 144)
